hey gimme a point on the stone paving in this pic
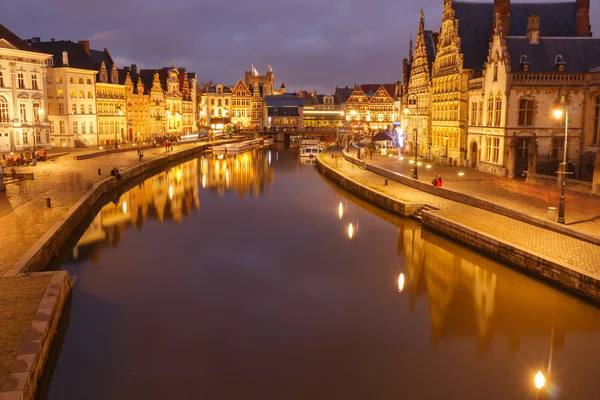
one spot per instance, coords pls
(564, 249)
(19, 300)
(582, 212)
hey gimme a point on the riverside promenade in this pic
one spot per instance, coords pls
(31, 303)
(559, 258)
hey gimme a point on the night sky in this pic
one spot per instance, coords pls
(310, 44)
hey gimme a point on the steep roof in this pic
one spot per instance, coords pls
(16, 41)
(476, 25)
(371, 89)
(77, 56)
(431, 40)
(581, 54)
(283, 100)
(283, 111)
(342, 94)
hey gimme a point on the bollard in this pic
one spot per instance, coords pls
(48, 204)
(385, 182)
(99, 171)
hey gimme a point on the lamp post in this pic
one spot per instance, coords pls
(117, 131)
(413, 99)
(40, 113)
(562, 102)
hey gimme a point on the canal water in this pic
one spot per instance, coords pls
(252, 277)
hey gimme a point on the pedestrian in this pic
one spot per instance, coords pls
(437, 181)
(115, 172)
(166, 146)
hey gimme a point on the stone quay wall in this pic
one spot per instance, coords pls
(537, 265)
(22, 381)
(471, 201)
(49, 245)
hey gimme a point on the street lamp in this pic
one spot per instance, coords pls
(40, 113)
(562, 103)
(117, 130)
(413, 99)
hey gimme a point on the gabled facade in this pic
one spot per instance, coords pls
(24, 119)
(241, 108)
(419, 89)
(138, 107)
(157, 107)
(218, 106)
(371, 107)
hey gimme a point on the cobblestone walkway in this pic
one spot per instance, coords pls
(19, 300)
(561, 248)
(582, 212)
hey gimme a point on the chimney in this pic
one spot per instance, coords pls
(582, 22)
(35, 40)
(65, 59)
(86, 45)
(502, 16)
(134, 68)
(533, 29)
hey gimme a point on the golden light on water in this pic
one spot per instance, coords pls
(539, 380)
(203, 181)
(350, 230)
(171, 192)
(401, 281)
(124, 207)
(179, 175)
(341, 210)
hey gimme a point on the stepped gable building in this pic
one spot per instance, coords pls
(418, 87)
(172, 100)
(241, 108)
(24, 121)
(71, 93)
(138, 105)
(111, 102)
(494, 85)
(372, 106)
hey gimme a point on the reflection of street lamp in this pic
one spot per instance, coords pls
(401, 281)
(539, 380)
(41, 114)
(414, 101)
(558, 113)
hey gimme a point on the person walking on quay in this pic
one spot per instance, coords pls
(166, 146)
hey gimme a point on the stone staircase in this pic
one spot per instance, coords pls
(418, 214)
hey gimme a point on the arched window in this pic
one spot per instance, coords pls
(596, 133)
(3, 110)
(498, 111)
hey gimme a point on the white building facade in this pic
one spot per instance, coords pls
(23, 108)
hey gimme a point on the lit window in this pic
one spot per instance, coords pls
(526, 109)
(21, 80)
(23, 112)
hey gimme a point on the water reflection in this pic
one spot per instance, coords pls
(250, 172)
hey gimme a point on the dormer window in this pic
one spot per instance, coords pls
(560, 63)
(524, 63)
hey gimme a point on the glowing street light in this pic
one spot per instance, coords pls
(539, 380)
(558, 113)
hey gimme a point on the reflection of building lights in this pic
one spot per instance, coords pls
(124, 207)
(179, 176)
(461, 174)
(269, 157)
(341, 210)
(227, 176)
(539, 380)
(411, 162)
(350, 230)
(401, 283)
(428, 166)
(203, 181)
(171, 192)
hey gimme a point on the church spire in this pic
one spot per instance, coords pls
(410, 51)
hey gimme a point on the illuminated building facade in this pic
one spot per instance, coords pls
(285, 112)
(23, 93)
(371, 107)
(111, 104)
(241, 108)
(218, 106)
(71, 93)
(260, 86)
(322, 111)
(138, 106)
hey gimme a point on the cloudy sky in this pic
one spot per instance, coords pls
(310, 44)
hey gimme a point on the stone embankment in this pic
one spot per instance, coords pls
(564, 260)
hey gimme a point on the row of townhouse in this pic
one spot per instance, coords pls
(62, 93)
(481, 90)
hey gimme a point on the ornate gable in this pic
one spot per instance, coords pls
(420, 76)
(241, 90)
(449, 59)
